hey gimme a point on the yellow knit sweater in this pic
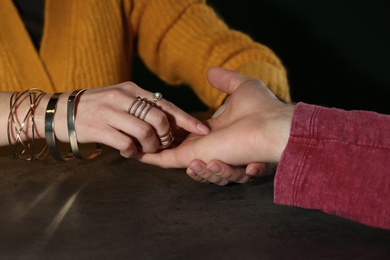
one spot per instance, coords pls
(90, 43)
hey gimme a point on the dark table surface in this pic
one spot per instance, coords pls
(116, 208)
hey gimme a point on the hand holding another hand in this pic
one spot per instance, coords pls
(252, 127)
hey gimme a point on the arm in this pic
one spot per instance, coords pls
(337, 161)
(180, 40)
(101, 117)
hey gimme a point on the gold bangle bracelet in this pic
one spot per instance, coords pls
(49, 129)
(72, 100)
(23, 149)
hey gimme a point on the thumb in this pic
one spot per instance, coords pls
(225, 80)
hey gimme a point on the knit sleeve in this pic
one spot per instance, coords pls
(180, 40)
(337, 161)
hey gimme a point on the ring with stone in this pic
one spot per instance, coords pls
(156, 97)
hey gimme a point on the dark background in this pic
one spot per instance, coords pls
(336, 52)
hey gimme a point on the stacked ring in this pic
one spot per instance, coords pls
(166, 139)
(139, 108)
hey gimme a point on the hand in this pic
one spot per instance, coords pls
(220, 173)
(101, 117)
(254, 127)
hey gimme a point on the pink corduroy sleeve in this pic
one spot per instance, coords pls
(338, 162)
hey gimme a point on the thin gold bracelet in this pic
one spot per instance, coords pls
(72, 101)
(49, 129)
(28, 148)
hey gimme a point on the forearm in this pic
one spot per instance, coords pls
(337, 161)
(192, 38)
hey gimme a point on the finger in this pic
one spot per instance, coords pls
(142, 131)
(109, 136)
(112, 129)
(175, 114)
(260, 169)
(193, 175)
(164, 158)
(225, 171)
(159, 121)
(146, 111)
(225, 80)
(182, 119)
(199, 169)
(219, 111)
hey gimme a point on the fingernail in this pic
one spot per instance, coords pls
(190, 172)
(197, 168)
(253, 171)
(203, 128)
(216, 169)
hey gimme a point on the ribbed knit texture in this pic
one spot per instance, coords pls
(91, 43)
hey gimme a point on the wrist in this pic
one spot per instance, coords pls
(287, 118)
(283, 131)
